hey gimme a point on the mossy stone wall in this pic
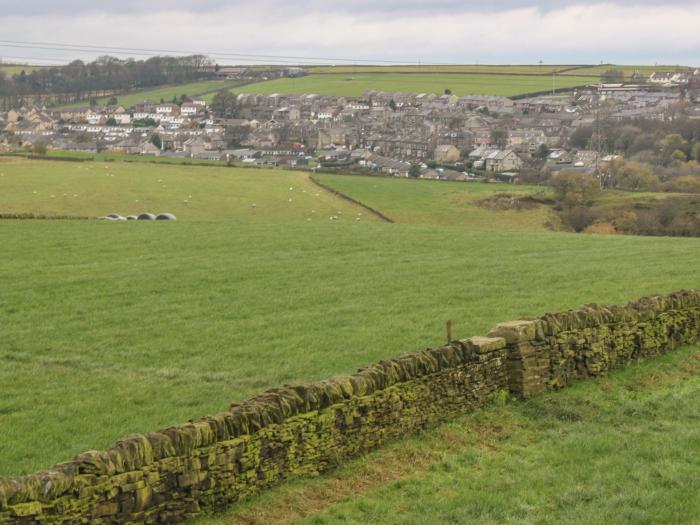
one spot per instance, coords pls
(552, 350)
(176, 473)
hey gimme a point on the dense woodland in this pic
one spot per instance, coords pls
(105, 76)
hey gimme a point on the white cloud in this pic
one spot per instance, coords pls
(573, 34)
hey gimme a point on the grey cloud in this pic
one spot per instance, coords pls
(79, 7)
(448, 31)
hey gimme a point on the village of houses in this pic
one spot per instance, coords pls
(401, 134)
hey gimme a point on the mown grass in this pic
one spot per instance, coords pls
(115, 328)
(190, 192)
(167, 93)
(355, 84)
(621, 449)
(416, 201)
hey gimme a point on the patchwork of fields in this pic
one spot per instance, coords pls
(561, 69)
(355, 84)
(502, 80)
(115, 328)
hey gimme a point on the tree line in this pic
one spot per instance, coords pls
(106, 75)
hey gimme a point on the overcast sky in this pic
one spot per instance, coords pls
(440, 31)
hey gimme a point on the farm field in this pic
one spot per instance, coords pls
(116, 328)
(14, 69)
(415, 201)
(466, 68)
(355, 84)
(615, 450)
(95, 189)
(166, 93)
(627, 69)
(122, 157)
(544, 69)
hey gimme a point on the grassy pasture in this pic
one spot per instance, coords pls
(627, 69)
(415, 201)
(121, 157)
(110, 329)
(544, 69)
(617, 450)
(427, 68)
(15, 69)
(355, 84)
(165, 92)
(190, 192)
(114, 328)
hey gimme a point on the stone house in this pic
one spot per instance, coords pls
(446, 154)
(502, 160)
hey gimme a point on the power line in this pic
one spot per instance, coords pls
(2, 57)
(54, 46)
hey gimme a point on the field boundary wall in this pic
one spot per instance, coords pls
(302, 429)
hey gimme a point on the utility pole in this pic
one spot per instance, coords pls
(599, 138)
(554, 76)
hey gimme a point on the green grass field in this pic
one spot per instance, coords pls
(428, 68)
(96, 189)
(355, 84)
(14, 69)
(115, 328)
(412, 201)
(628, 70)
(192, 89)
(121, 157)
(622, 450)
(503, 80)
(544, 69)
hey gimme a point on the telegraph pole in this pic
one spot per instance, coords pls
(599, 138)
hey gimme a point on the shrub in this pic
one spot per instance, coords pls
(577, 217)
(575, 189)
(684, 184)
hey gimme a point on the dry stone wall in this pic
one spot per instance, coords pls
(179, 472)
(551, 351)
